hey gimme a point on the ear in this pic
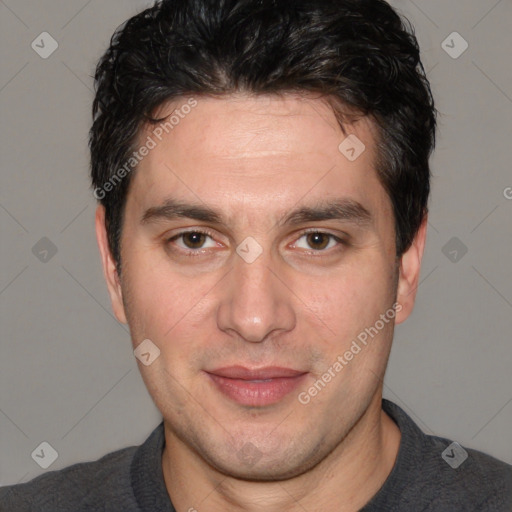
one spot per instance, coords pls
(410, 266)
(109, 267)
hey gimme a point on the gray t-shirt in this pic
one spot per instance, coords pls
(131, 479)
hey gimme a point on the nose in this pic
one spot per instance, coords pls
(256, 300)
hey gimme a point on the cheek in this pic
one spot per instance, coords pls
(165, 306)
(350, 300)
(149, 298)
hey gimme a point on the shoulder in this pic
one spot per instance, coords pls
(82, 486)
(464, 475)
(434, 473)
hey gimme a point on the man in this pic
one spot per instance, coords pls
(263, 177)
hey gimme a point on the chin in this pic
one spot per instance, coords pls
(261, 473)
(262, 469)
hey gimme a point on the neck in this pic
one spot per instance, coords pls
(344, 481)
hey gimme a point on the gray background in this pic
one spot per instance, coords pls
(68, 374)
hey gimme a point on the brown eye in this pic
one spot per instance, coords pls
(318, 241)
(193, 239)
(192, 242)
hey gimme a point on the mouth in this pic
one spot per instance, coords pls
(258, 387)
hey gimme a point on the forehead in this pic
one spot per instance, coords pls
(252, 126)
(255, 152)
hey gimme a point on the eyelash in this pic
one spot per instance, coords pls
(197, 252)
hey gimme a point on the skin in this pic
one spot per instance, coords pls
(298, 305)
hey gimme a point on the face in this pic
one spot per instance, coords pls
(256, 256)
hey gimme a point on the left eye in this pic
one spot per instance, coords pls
(193, 240)
(318, 240)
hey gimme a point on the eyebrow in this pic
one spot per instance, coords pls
(344, 209)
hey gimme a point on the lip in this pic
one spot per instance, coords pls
(256, 387)
(269, 372)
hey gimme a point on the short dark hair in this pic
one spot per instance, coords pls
(358, 54)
